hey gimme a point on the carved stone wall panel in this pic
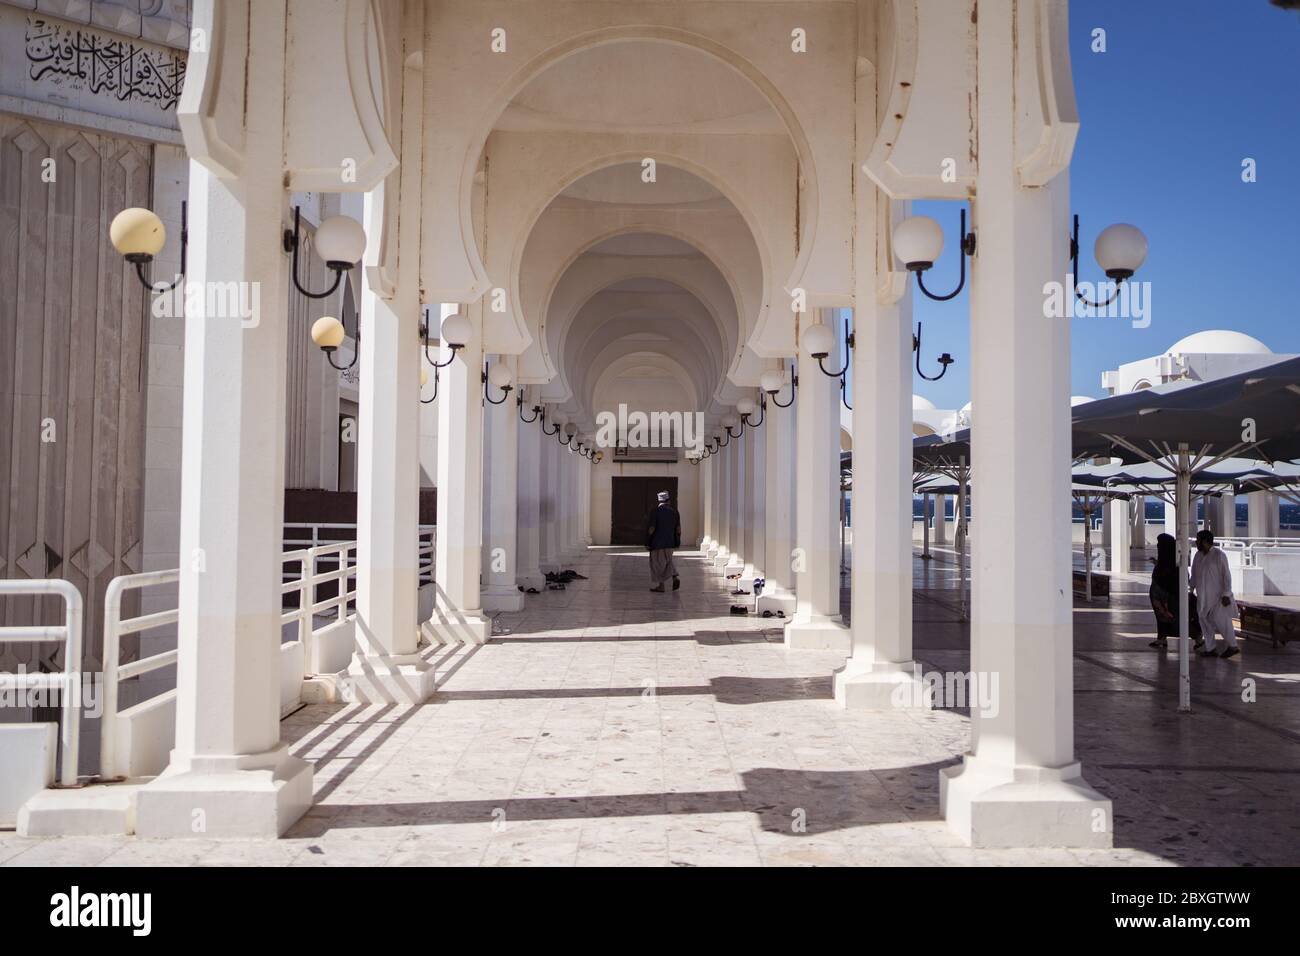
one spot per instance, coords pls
(72, 380)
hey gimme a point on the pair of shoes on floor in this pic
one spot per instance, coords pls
(738, 591)
(1230, 652)
(1210, 653)
(529, 590)
(555, 587)
(778, 614)
(739, 609)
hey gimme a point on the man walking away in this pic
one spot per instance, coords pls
(664, 534)
(1213, 583)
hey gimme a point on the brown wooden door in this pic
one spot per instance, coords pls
(632, 500)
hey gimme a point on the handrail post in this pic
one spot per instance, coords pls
(306, 599)
(112, 659)
(72, 680)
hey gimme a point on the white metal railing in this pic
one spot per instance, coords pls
(68, 682)
(323, 561)
(114, 670)
(304, 581)
(302, 534)
(343, 557)
(1251, 547)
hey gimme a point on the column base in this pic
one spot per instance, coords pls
(497, 597)
(720, 560)
(784, 601)
(818, 634)
(997, 806)
(711, 551)
(449, 626)
(255, 796)
(402, 679)
(734, 567)
(882, 685)
(531, 579)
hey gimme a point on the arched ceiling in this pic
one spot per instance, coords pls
(618, 262)
(641, 87)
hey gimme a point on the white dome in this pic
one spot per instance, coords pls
(1080, 400)
(1221, 342)
(920, 404)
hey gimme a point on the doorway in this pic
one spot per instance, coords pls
(632, 499)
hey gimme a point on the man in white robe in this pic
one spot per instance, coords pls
(1212, 580)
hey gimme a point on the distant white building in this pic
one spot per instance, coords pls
(1197, 358)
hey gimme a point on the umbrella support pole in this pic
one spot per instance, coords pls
(925, 527)
(1184, 631)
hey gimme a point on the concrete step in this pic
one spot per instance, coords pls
(98, 809)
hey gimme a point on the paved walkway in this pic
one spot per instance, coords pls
(608, 725)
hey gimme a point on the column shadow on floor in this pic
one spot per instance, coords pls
(793, 802)
(726, 690)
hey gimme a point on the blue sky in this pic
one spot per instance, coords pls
(1184, 92)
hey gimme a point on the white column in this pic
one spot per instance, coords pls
(386, 667)
(706, 504)
(528, 510)
(548, 549)
(568, 499)
(756, 502)
(880, 673)
(940, 522)
(778, 594)
(1263, 516)
(229, 774)
(747, 450)
(501, 588)
(736, 559)
(1171, 524)
(584, 500)
(458, 616)
(1140, 521)
(817, 623)
(1020, 784)
(1121, 535)
(1226, 525)
(723, 555)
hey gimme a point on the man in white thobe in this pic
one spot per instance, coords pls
(1212, 580)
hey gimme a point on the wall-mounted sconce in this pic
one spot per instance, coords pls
(340, 241)
(559, 421)
(944, 360)
(500, 376)
(1120, 250)
(519, 404)
(746, 407)
(773, 381)
(139, 235)
(918, 243)
(818, 339)
(733, 421)
(328, 334)
(569, 431)
(456, 331)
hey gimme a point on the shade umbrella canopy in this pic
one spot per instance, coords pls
(1253, 414)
